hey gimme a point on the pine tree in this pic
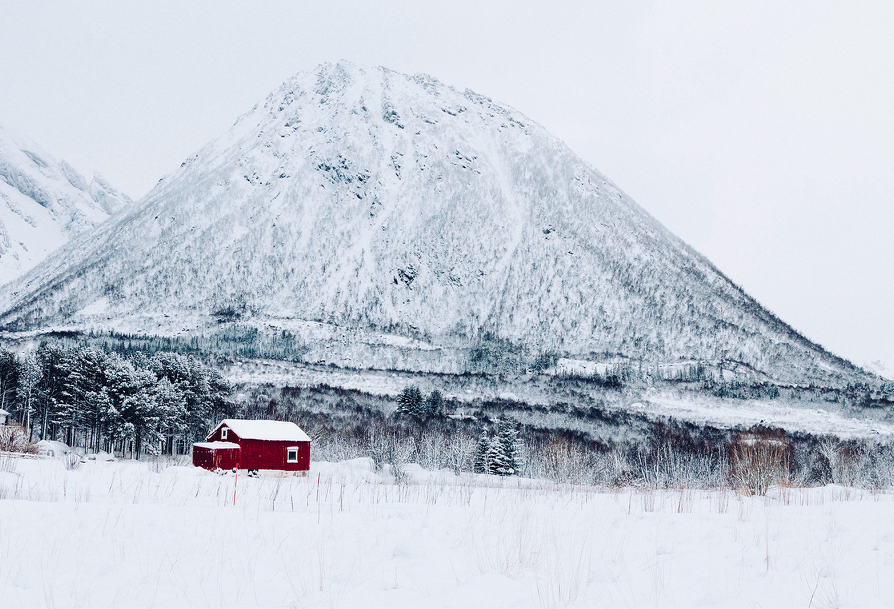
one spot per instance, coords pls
(435, 404)
(9, 378)
(483, 455)
(504, 447)
(410, 402)
(29, 377)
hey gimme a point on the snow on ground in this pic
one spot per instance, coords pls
(142, 535)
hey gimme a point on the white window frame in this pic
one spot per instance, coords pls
(289, 450)
(223, 433)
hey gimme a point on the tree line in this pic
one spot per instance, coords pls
(497, 449)
(89, 397)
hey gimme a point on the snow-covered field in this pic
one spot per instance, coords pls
(128, 534)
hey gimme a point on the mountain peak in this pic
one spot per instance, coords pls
(395, 205)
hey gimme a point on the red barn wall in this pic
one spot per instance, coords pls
(272, 454)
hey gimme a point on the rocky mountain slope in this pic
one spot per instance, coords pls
(43, 203)
(384, 208)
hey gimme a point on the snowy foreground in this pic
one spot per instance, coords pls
(129, 534)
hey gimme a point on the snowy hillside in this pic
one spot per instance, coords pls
(359, 199)
(43, 203)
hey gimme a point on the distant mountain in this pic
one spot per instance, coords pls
(389, 208)
(880, 368)
(43, 203)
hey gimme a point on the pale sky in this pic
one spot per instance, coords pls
(760, 132)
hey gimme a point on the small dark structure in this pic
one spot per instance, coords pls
(271, 446)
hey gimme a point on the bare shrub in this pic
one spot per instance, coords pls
(159, 463)
(844, 461)
(72, 461)
(379, 449)
(328, 446)
(402, 452)
(8, 464)
(430, 451)
(14, 439)
(667, 466)
(562, 461)
(565, 459)
(758, 460)
(459, 453)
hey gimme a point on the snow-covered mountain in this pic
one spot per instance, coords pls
(43, 203)
(880, 368)
(396, 206)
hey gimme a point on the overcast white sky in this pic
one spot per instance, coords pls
(761, 132)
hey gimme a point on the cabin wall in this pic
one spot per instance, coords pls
(272, 454)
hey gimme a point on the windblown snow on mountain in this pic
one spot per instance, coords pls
(43, 203)
(377, 204)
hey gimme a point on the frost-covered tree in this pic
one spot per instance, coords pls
(410, 402)
(29, 376)
(483, 455)
(101, 400)
(435, 404)
(504, 446)
(497, 452)
(9, 378)
(203, 391)
(50, 387)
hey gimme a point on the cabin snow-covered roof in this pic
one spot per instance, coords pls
(217, 445)
(264, 430)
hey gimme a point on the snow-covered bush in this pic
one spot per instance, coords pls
(72, 461)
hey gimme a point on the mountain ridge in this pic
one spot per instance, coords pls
(44, 202)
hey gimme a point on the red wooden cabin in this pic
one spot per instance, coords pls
(254, 445)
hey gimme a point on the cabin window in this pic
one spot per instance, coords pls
(223, 433)
(292, 455)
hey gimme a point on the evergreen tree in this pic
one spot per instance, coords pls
(103, 401)
(435, 404)
(483, 455)
(50, 388)
(29, 376)
(9, 379)
(410, 402)
(505, 449)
